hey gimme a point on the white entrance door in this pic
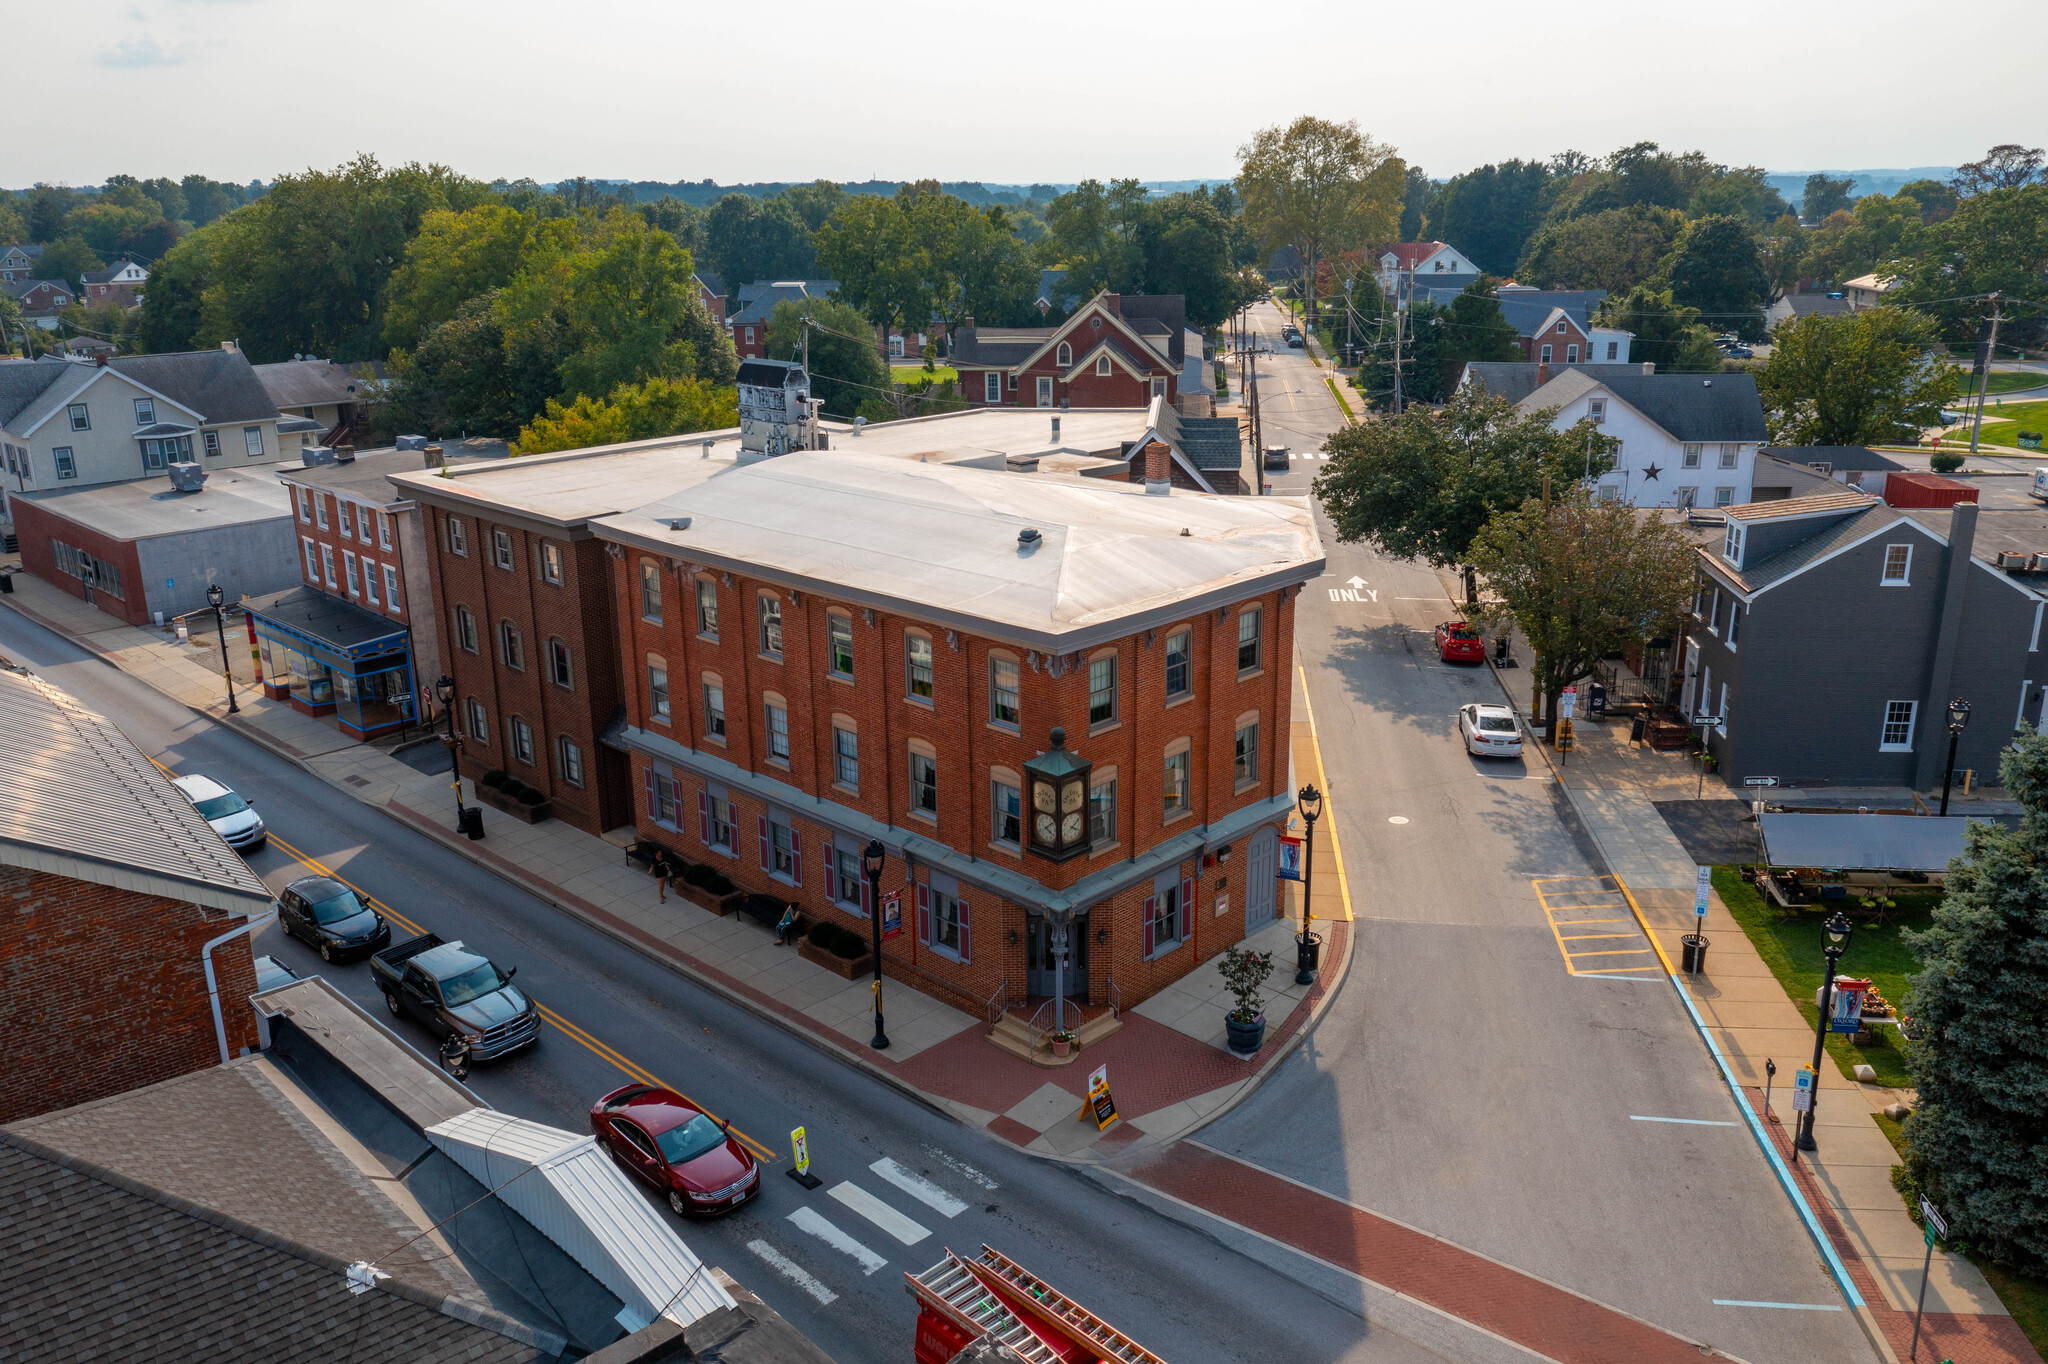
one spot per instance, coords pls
(1262, 866)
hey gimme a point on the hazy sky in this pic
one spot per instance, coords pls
(1054, 91)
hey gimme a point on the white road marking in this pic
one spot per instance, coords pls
(1688, 1122)
(878, 1212)
(1397, 819)
(961, 1167)
(923, 1190)
(1788, 1306)
(820, 1227)
(794, 1272)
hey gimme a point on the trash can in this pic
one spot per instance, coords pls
(7, 584)
(1694, 957)
(473, 821)
(1308, 953)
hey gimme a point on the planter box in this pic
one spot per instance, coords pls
(518, 809)
(832, 961)
(704, 899)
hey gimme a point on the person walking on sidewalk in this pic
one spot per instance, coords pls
(663, 869)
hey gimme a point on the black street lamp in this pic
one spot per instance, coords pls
(1310, 803)
(444, 692)
(871, 863)
(1958, 718)
(215, 597)
(1838, 931)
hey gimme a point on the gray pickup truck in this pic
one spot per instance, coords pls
(452, 989)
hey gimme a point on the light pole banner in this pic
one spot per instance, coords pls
(1290, 859)
(892, 914)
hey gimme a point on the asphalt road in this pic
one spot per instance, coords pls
(1462, 1081)
(1180, 1293)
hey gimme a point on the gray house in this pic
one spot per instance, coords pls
(1831, 632)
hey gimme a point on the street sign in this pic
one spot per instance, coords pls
(1706, 719)
(1936, 1228)
(1802, 1089)
(1568, 702)
(1702, 887)
(1290, 859)
(800, 1157)
(1759, 781)
(892, 914)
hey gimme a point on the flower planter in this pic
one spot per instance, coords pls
(704, 899)
(847, 968)
(1061, 1046)
(1245, 1038)
(518, 809)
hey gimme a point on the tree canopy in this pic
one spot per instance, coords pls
(1716, 268)
(1871, 377)
(845, 368)
(1490, 213)
(659, 407)
(1319, 187)
(1614, 249)
(1667, 333)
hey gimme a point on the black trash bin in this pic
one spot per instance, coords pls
(1694, 957)
(7, 584)
(473, 821)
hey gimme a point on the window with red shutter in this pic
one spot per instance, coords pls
(704, 817)
(924, 914)
(796, 853)
(653, 798)
(1184, 922)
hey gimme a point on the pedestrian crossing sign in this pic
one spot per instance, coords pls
(801, 1149)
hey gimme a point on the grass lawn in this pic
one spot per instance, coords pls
(2005, 381)
(917, 374)
(1789, 941)
(2003, 423)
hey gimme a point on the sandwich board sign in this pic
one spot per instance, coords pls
(1099, 1105)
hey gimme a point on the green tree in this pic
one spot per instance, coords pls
(1977, 1137)
(1615, 249)
(1422, 485)
(814, 203)
(206, 200)
(747, 240)
(102, 223)
(14, 328)
(66, 259)
(2006, 166)
(1667, 334)
(1320, 187)
(1823, 196)
(1092, 232)
(1995, 240)
(1716, 268)
(46, 208)
(1877, 230)
(169, 318)
(867, 248)
(659, 407)
(1475, 330)
(463, 377)
(1582, 579)
(1418, 192)
(846, 370)
(1490, 213)
(456, 257)
(1872, 377)
(13, 227)
(1936, 200)
(1187, 251)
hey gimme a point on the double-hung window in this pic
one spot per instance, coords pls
(778, 732)
(252, 441)
(569, 760)
(1102, 690)
(839, 629)
(1102, 812)
(1898, 566)
(992, 387)
(722, 820)
(707, 608)
(924, 784)
(551, 562)
(657, 689)
(370, 582)
(145, 412)
(1245, 765)
(714, 710)
(848, 883)
(1166, 914)
(501, 548)
(782, 853)
(771, 625)
(917, 651)
(511, 648)
(1002, 691)
(1689, 456)
(559, 666)
(312, 559)
(391, 586)
(479, 721)
(1898, 727)
(1728, 455)
(1249, 619)
(457, 542)
(1008, 805)
(465, 628)
(327, 564)
(348, 569)
(846, 757)
(522, 740)
(458, 530)
(1180, 671)
(650, 591)
(1177, 783)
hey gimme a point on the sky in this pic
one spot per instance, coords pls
(1056, 91)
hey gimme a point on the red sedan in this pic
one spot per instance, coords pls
(679, 1149)
(1457, 642)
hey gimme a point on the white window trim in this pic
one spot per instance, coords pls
(1905, 578)
(1912, 723)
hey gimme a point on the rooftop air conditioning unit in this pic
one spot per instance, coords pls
(2012, 559)
(316, 455)
(412, 442)
(187, 478)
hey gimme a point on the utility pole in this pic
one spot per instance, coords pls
(1984, 382)
(1400, 316)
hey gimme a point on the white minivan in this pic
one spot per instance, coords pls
(227, 812)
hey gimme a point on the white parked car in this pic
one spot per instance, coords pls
(227, 812)
(1490, 731)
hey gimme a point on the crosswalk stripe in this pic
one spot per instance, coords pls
(822, 1228)
(878, 1212)
(794, 1272)
(923, 1190)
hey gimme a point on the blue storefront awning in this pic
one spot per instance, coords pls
(344, 635)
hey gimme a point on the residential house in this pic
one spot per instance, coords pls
(1406, 265)
(1516, 380)
(41, 300)
(90, 347)
(1788, 306)
(748, 322)
(795, 683)
(1946, 604)
(1116, 350)
(1685, 439)
(119, 283)
(1851, 466)
(66, 424)
(1054, 295)
(332, 396)
(711, 293)
(1868, 291)
(126, 938)
(18, 262)
(1555, 326)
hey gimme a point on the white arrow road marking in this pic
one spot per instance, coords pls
(878, 1212)
(820, 1227)
(1354, 581)
(923, 1190)
(794, 1272)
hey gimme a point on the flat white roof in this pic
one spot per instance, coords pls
(144, 508)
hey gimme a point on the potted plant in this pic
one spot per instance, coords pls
(1243, 973)
(1062, 1043)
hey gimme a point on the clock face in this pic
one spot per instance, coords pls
(1047, 830)
(1070, 828)
(1041, 796)
(1071, 798)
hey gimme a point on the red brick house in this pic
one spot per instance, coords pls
(125, 948)
(711, 293)
(120, 282)
(795, 685)
(42, 299)
(1117, 350)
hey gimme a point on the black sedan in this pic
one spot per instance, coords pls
(329, 918)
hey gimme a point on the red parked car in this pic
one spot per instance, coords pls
(1457, 642)
(679, 1149)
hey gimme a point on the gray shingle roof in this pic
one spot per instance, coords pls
(307, 383)
(1688, 407)
(1528, 309)
(1837, 456)
(1212, 442)
(1516, 380)
(22, 382)
(757, 300)
(103, 812)
(712, 283)
(1830, 536)
(999, 346)
(219, 384)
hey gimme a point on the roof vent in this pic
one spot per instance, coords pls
(1029, 538)
(679, 523)
(859, 424)
(1184, 530)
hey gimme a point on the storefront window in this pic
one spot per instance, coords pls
(377, 699)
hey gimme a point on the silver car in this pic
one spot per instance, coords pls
(1490, 731)
(227, 812)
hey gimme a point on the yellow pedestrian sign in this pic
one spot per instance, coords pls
(800, 1151)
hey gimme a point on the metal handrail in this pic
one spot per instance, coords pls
(1038, 1034)
(1116, 1001)
(998, 1004)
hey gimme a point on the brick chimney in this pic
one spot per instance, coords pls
(1115, 304)
(1158, 479)
(1542, 373)
(967, 323)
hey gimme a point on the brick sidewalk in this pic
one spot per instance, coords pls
(1539, 1316)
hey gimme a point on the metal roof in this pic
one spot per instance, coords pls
(1783, 509)
(561, 1183)
(1863, 842)
(88, 805)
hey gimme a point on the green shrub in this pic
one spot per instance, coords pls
(822, 935)
(716, 881)
(847, 944)
(529, 796)
(495, 778)
(1945, 461)
(694, 874)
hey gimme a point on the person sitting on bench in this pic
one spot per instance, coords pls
(785, 931)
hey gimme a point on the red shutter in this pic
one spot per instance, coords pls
(764, 842)
(653, 799)
(796, 853)
(1151, 906)
(1185, 924)
(965, 954)
(924, 914)
(704, 817)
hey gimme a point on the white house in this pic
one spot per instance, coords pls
(1867, 291)
(1687, 440)
(1422, 260)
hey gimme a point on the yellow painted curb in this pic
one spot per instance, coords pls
(1329, 811)
(1637, 910)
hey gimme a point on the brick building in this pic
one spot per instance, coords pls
(1117, 350)
(877, 642)
(123, 951)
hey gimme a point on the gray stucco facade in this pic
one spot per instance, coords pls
(1843, 660)
(247, 560)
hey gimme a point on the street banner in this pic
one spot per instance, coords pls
(1290, 859)
(892, 914)
(1846, 1011)
(1702, 887)
(1802, 1089)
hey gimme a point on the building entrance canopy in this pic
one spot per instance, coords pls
(328, 653)
(1863, 842)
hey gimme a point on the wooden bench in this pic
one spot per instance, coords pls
(766, 908)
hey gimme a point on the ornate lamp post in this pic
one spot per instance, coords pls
(1838, 930)
(1058, 829)
(444, 692)
(1958, 718)
(1306, 947)
(871, 859)
(215, 597)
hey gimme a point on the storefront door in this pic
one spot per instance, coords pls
(1261, 868)
(1038, 960)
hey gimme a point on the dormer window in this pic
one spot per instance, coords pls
(1102, 365)
(1731, 550)
(1064, 356)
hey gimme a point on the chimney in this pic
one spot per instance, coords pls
(1055, 430)
(344, 454)
(1157, 479)
(967, 323)
(99, 359)
(1542, 373)
(1115, 304)
(432, 457)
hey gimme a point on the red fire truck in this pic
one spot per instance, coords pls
(961, 1301)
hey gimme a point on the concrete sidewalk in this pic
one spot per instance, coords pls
(1170, 1071)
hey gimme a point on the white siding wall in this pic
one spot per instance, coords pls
(1644, 444)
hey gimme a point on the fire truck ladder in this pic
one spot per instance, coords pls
(1112, 1343)
(951, 1284)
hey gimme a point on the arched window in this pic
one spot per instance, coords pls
(559, 667)
(1064, 356)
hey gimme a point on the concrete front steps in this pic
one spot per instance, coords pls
(1013, 1034)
